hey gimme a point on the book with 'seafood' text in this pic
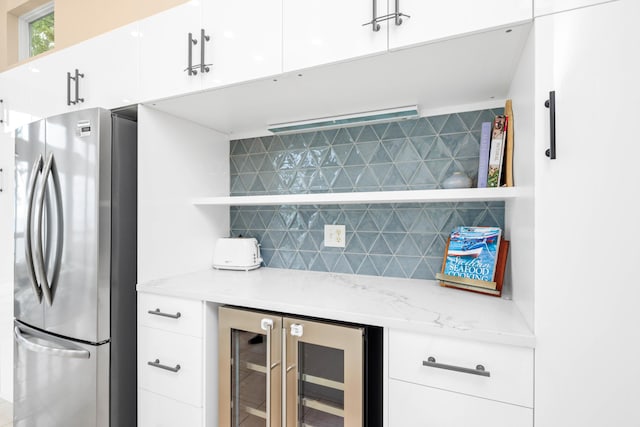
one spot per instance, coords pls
(472, 253)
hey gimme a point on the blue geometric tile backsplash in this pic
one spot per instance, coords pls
(398, 240)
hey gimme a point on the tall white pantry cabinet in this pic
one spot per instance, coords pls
(587, 256)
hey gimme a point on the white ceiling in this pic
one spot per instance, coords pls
(470, 70)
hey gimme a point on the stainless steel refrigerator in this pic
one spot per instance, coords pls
(75, 271)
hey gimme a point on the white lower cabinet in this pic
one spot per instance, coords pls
(442, 381)
(174, 362)
(418, 406)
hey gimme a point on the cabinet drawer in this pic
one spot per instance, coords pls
(510, 368)
(159, 411)
(420, 406)
(183, 383)
(171, 314)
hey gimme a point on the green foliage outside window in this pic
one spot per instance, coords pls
(41, 35)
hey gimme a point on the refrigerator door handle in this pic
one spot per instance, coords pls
(39, 252)
(53, 351)
(37, 290)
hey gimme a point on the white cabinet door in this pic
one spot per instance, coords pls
(586, 309)
(16, 95)
(434, 20)
(418, 406)
(545, 7)
(164, 52)
(110, 68)
(245, 40)
(322, 31)
(155, 410)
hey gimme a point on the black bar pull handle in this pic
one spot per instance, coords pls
(157, 312)
(191, 42)
(156, 364)
(204, 68)
(77, 79)
(551, 105)
(479, 370)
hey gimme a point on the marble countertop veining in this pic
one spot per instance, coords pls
(407, 304)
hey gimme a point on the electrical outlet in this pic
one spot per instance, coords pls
(334, 235)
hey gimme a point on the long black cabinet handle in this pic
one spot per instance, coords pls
(479, 370)
(156, 364)
(157, 312)
(551, 105)
(204, 68)
(191, 42)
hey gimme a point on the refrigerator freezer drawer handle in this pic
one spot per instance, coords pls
(157, 312)
(156, 364)
(53, 351)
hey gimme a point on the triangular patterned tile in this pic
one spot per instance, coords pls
(257, 160)
(354, 132)
(422, 144)
(285, 178)
(380, 262)
(453, 222)
(267, 255)
(408, 216)
(287, 257)
(407, 126)
(235, 147)
(498, 215)
(237, 189)
(308, 160)
(467, 147)
(408, 247)
(276, 260)
(367, 238)
(393, 240)
(423, 128)
(342, 137)
(394, 224)
(317, 181)
(424, 224)
(422, 271)
(265, 217)
(380, 216)
(408, 264)
(256, 222)
(354, 173)
(287, 214)
(275, 237)
(439, 150)
(331, 174)
(330, 258)
(354, 260)
(300, 183)
(318, 238)
(275, 159)
(366, 180)
(367, 223)
(472, 216)
(497, 111)
(289, 161)
(246, 144)
(354, 245)
(276, 222)
(342, 266)
(329, 216)
(394, 269)
(380, 129)
(439, 217)
(354, 159)
(307, 243)
(367, 150)
(308, 138)
(269, 181)
(380, 155)
(240, 162)
(368, 135)
(233, 167)
(247, 180)
(331, 158)
(453, 125)
(318, 264)
(393, 146)
(309, 258)
(342, 152)
(380, 171)
(267, 140)
(394, 179)
(439, 169)
(484, 116)
(297, 263)
(256, 146)
(407, 152)
(408, 170)
(422, 177)
(277, 145)
(330, 135)
(319, 154)
(435, 265)
(367, 268)
(469, 118)
(319, 140)
(437, 122)
(380, 247)
(393, 131)
(342, 181)
(353, 217)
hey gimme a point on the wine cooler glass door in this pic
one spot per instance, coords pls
(324, 374)
(250, 375)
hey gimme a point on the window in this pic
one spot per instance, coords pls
(36, 31)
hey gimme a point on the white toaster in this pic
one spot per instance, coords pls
(237, 253)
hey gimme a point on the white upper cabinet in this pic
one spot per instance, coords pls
(164, 48)
(323, 31)
(245, 40)
(546, 7)
(110, 68)
(434, 20)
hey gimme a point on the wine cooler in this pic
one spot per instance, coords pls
(279, 370)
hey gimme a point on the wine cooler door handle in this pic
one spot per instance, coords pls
(551, 105)
(267, 326)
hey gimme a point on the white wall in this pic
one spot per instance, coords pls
(178, 160)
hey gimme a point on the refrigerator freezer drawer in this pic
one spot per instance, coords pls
(171, 365)
(59, 382)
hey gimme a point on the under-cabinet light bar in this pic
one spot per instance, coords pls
(369, 117)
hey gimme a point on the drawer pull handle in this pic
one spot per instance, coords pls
(479, 370)
(156, 364)
(157, 312)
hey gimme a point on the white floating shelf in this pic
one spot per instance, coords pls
(409, 196)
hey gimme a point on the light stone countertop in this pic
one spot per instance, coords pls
(408, 304)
